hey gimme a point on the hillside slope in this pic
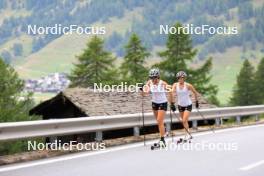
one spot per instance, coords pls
(42, 55)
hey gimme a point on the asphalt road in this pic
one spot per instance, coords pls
(236, 152)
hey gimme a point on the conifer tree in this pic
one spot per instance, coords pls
(259, 82)
(132, 68)
(244, 91)
(95, 65)
(14, 104)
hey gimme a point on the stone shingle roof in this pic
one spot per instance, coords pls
(93, 103)
(107, 103)
(111, 103)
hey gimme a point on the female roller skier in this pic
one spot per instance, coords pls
(158, 88)
(182, 89)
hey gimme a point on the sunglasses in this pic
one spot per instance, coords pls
(154, 77)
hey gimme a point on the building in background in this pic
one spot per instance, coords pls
(54, 83)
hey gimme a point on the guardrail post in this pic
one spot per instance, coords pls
(257, 118)
(136, 131)
(53, 139)
(238, 120)
(194, 125)
(168, 127)
(218, 121)
(98, 136)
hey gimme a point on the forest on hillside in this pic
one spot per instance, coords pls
(243, 13)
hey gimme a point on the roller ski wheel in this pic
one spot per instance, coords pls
(187, 141)
(157, 146)
(190, 139)
(153, 147)
(180, 141)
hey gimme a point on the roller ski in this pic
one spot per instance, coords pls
(159, 145)
(184, 140)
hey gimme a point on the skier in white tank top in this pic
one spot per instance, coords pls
(182, 89)
(158, 88)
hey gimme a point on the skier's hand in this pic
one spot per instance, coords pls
(140, 86)
(173, 107)
(197, 104)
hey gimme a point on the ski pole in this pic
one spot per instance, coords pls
(182, 124)
(171, 126)
(205, 119)
(143, 120)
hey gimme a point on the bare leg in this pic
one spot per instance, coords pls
(160, 120)
(185, 119)
(155, 112)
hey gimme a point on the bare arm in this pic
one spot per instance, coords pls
(172, 93)
(146, 88)
(193, 91)
(168, 88)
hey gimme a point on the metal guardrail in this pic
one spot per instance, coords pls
(56, 127)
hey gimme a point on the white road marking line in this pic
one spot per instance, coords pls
(251, 166)
(81, 155)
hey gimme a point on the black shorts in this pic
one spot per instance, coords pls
(159, 106)
(185, 108)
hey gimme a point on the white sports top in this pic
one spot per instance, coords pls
(183, 95)
(158, 92)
